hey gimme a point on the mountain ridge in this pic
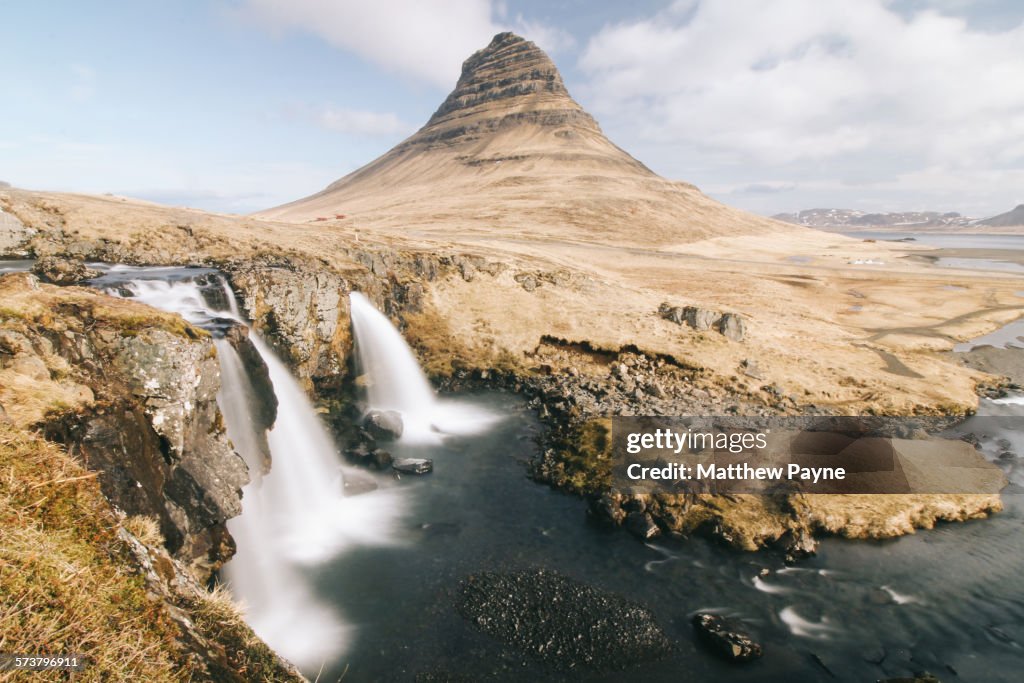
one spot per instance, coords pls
(852, 219)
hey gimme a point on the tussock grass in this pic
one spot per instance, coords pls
(144, 528)
(220, 618)
(65, 586)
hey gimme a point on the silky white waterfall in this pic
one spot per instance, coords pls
(394, 381)
(293, 515)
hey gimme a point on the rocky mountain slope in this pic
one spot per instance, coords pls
(1014, 217)
(509, 151)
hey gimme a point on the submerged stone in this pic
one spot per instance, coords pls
(726, 637)
(413, 465)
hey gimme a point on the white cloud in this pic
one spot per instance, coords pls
(804, 82)
(551, 39)
(425, 40)
(359, 122)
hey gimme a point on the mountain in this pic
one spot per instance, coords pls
(510, 152)
(862, 220)
(1008, 219)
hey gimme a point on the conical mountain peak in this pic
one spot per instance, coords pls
(510, 151)
(510, 72)
(509, 82)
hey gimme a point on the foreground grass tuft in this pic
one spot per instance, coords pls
(64, 583)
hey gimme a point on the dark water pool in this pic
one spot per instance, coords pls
(946, 600)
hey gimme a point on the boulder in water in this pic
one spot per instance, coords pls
(726, 637)
(383, 424)
(413, 465)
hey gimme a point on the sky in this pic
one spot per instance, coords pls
(769, 105)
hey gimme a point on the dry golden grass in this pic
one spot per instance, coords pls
(144, 528)
(65, 586)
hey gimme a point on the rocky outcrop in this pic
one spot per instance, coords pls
(210, 626)
(132, 392)
(14, 236)
(730, 325)
(303, 312)
(62, 271)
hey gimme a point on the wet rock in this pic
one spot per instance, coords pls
(608, 508)
(380, 458)
(642, 526)
(563, 622)
(413, 465)
(726, 637)
(383, 425)
(732, 327)
(798, 544)
(62, 271)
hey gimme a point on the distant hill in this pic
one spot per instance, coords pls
(1008, 219)
(861, 220)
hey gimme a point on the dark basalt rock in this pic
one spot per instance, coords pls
(413, 465)
(726, 637)
(563, 622)
(642, 526)
(383, 425)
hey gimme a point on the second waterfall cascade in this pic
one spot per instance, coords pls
(394, 381)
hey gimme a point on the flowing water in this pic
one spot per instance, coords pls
(379, 604)
(295, 515)
(394, 381)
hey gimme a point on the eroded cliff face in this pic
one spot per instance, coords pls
(132, 392)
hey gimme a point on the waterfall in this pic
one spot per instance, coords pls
(394, 381)
(295, 514)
